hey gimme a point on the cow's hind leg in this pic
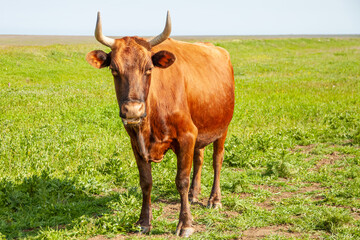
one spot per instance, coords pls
(195, 188)
(218, 157)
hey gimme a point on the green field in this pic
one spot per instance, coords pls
(292, 161)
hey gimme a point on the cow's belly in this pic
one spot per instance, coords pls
(208, 137)
(212, 120)
(212, 126)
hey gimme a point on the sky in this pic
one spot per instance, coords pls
(189, 17)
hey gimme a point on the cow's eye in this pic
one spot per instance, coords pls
(114, 72)
(148, 72)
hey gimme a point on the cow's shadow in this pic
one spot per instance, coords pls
(40, 202)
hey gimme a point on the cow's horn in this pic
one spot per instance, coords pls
(164, 35)
(99, 36)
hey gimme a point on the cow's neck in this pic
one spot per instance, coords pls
(146, 139)
(140, 138)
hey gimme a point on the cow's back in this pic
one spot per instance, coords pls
(200, 82)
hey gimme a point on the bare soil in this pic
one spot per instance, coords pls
(304, 149)
(329, 159)
(279, 194)
(258, 233)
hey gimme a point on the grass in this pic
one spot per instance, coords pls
(292, 161)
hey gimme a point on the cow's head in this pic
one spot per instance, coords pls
(131, 62)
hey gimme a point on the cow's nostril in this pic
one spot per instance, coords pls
(131, 110)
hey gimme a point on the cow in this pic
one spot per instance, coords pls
(171, 95)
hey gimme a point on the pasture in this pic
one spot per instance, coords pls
(292, 161)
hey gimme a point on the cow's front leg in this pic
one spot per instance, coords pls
(184, 161)
(146, 185)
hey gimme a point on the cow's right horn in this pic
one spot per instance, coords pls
(99, 36)
(164, 35)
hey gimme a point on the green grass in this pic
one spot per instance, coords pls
(292, 158)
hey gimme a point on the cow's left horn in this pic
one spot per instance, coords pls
(99, 36)
(164, 35)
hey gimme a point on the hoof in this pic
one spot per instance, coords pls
(185, 232)
(145, 229)
(193, 200)
(214, 205)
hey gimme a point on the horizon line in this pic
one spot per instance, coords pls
(202, 35)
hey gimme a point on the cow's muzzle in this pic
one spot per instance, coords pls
(132, 112)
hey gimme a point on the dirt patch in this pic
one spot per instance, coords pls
(135, 236)
(272, 189)
(279, 195)
(99, 237)
(258, 233)
(356, 216)
(267, 205)
(283, 195)
(313, 187)
(244, 195)
(231, 214)
(304, 149)
(170, 210)
(119, 190)
(329, 159)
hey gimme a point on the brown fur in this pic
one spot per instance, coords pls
(189, 102)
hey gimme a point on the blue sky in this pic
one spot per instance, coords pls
(196, 17)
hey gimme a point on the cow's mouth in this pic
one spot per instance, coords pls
(131, 121)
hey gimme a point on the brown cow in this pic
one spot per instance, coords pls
(172, 95)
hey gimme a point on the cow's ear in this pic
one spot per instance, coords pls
(98, 59)
(163, 59)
